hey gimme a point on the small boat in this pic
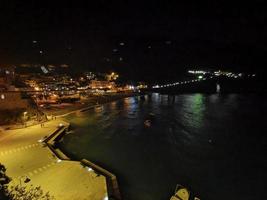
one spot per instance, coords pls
(182, 193)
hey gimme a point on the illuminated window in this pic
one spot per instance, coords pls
(2, 96)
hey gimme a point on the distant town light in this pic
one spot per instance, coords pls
(197, 72)
(200, 77)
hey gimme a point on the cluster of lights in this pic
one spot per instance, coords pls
(112, 77)
(141, 86)
(130, 87)
(234, 75)
(197, 72)
(83, 88)
(200, 78)
(90, 75)
(220, 73)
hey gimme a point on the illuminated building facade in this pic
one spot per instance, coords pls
(95, 84)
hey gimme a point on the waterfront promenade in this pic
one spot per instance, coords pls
(24, 156)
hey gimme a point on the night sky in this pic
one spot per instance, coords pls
(141, 40)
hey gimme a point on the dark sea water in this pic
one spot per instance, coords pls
(214, 144)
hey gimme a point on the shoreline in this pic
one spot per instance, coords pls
(54, 135)
(46, 166)
(87, 104)
(52, 142)
(81, 106)
(112, 182)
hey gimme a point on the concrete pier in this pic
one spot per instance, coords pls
(25, 156)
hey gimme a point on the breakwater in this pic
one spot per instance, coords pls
(52, 140)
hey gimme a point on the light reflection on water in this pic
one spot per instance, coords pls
(207, 142)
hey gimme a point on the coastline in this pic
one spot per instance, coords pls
(52, 142)
(54, 134)
(67, 109)
(25, 156)
(86, 104)
(112, 182)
